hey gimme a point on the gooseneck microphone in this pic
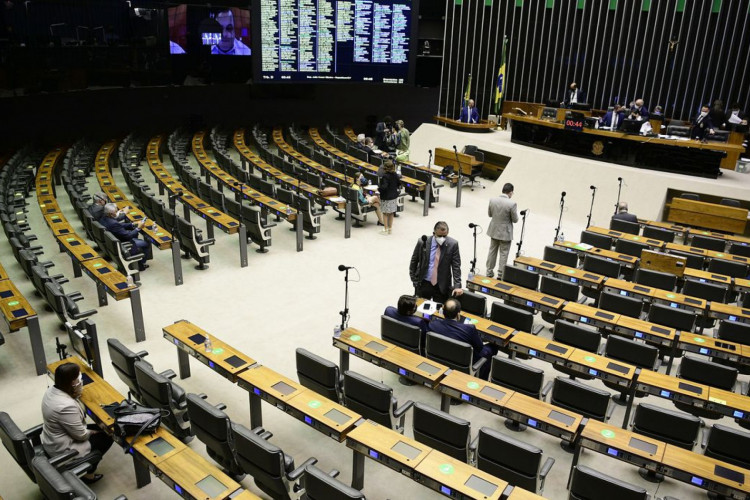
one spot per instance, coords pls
(619, 190)
(523, 212)
(591, 210)
(592, 187)
(559, 220)
(342, 267)
(472, 225)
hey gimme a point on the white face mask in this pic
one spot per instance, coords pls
(440, 240)
(704, 113)
(78, 387)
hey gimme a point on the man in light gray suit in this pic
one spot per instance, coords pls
(504, 213)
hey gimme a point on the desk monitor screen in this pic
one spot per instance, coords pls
(211, 486)
(549, 114)
(617, 368)
(283, 388)
(492, 392)
(376, 346)
(406, 450)
(730, 474)
(235, 361)
(86, 379)
(556, 348)
(561, 417)
(426, 367)
(483, 486)
(690, 387)
(639, 444)
(497, 329)
(337, 416)
(160, 447)
(197, 338)
(82, 344)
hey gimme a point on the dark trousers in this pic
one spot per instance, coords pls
(100, 441)
(429, 291)
(141, 246)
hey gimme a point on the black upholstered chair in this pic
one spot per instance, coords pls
(452, 353)
(620, 304)
(628, 247)
(318, 374)
(705, 372)
(597, 240)
(708, 243)
(728, 445)
(321, 486)
(158, 391)
(406, 336)
(657, 233)
(374, 401)
(561, 256)
(624, 226)
(512, 317)
(214, 429)
(56, 485)
(580, 398)
(511, 460)
(442, 431)
(473, 303)
(589, 484)
(123, 361)
(633, 353)
(656, 279)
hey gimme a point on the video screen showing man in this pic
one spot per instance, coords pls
(234, 26)
(177, 17)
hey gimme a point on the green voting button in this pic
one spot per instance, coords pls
(485, 281)
(608, 433)
(472, 385)
(699, 340)
(446, 468)
(589, 359)
(671, 295)
(474, 321)
(13, 303)
(355, 338)
(218, 350)
(314, 403)
(98, 264)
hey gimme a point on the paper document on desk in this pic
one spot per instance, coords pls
(337, 199)
(583, 246)
(371, 187)
(428, 307)
(735, 119)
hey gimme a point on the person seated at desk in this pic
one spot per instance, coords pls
(702, 125)
(735, 116)
(453, 327)
(573, 95)
(469, 113)
(613, 119)
(367, 201)
(96, 209)
(658, 112)
(361, 142)
(638, 109)
(127, 232)
(622, 213)
(64, 426)
(404, 312)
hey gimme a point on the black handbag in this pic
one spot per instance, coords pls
(134, 419)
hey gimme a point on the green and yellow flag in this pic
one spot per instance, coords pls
(500, 88)
(467, 94)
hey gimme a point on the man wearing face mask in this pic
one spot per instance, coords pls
(435, 267)
(702, 125)
(64, 426)
(574, 95)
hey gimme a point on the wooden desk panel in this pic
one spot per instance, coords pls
(710, 346)
(414, 364)
(669, 387)
(263, 378)
(707, 215)
(77, 247)
(187, 468)
(141, 446)
(699, 470)
(363, 345)
(114, 282)
(369, 436)
(619, 235)
(541, 348)
(601, 367)
(597, 433)
(730, 312)
(464, 387)
(572, 274)
(707, 277)
(640, 329)
(729, 403)
(711, 254)
(630, 289)
(14, 306)
(490, 286)
(449, 476)
(589, 315)
(741, 284)
(312, 408)
(681, 301)
(538, 300)
(729, 238)
(541, 415)
(623, 259)
(680, 230)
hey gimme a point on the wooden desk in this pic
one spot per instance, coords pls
(705, 472)
(362, 345)
(726, 311)
(322, 414)
(591, 364)
(589, 315)
(672, 388)
(729, 403)
(625, 260)
(413, 366)
(453, 478)
(547, 350)
(710, 254)
(447, 158)
(619, 235)
(17, 313)
(636, 449)
(729, 238)
(740, 284)
(628, 289)
(543, 416)
(679, 301)
(490, 286)
(650, 332)
(482, 126)
(707, 215)
(537, 300)
(572, 274)
(490, 331)
(265, 384)
(473, 390)
(223, 358)
(109, 281)
(385, 446)
(675, 228)
(707, 277)
(710, 346)
(539, 266)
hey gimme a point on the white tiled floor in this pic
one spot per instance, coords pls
(285, 299)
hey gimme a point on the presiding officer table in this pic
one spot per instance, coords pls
(655, 153)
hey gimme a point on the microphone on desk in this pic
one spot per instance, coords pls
(524, 212)
(455, 149)
(342, 267)
(178, 194)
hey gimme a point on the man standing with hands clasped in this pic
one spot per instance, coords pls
(503, 213)
(435, 267)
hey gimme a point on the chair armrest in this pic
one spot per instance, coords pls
(657, 365)
(334, 473)
(34, 432)
(546, 390)
(62, 457)
(169, 373)
(220, 406)
(704, 440)
(47, 264)
(610, 410)
(142, 354)
(473, 451)
(202, 395)
(546, 468)
(83, 314)
(476, 366)
(121, 497)
(207, 241)
(297, 473)
(182, 405)
(32, 237)
(403, 409)
(265, 435)
(601, 349)
(75, 296)
(35, 249)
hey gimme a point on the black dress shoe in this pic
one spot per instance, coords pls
(91, 480)
(144, 267)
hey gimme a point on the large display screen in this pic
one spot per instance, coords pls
(222, 30)
(334, 40)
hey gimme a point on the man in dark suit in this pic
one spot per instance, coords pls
(622, 213)
(702, 125)
(454, 328)
(639, 109)
(735, 116)
(126, 232)
(407, 306)
(435, 267)
(574, 95)
(469, 113)
(96, 209)
(613, 119)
